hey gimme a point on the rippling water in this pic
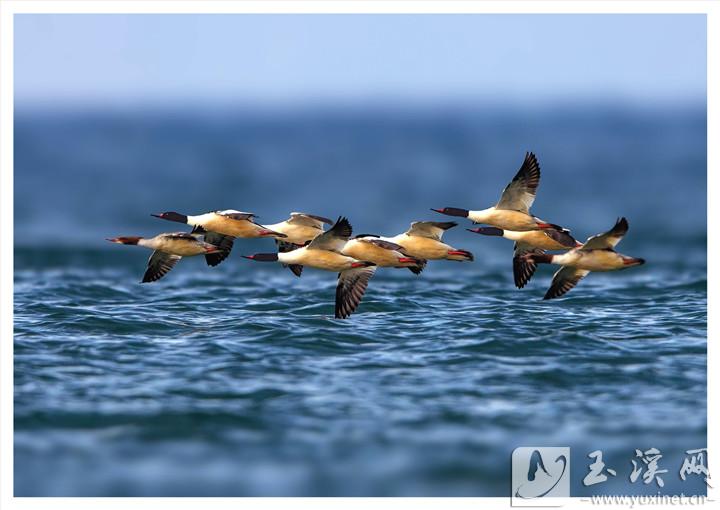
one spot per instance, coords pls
(237, 380)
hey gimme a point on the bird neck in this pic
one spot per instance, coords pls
(491, 231)
(130, 240)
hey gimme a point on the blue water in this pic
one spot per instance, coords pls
(236, 380)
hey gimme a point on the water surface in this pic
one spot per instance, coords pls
(236, 380)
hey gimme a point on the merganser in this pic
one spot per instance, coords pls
(382, 253)
(325, 252)
(512, 212)
(531, 241)
(597, 254)
(300, 228)
(168, 249)
(221, 228)
(423, 241)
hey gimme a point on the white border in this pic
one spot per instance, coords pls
(10, 7)
(359, 6)
(713, 181)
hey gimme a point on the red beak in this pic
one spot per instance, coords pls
(251, 257)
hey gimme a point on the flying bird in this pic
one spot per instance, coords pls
(168, 249)
(597, 254)
(221, 228)
(423, 240)
(325, 252)
(512, 212)
(531, 241)
(300, 228)
(383, 253)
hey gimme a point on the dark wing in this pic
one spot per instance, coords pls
(380, 243)
(519, 195)
(608, 239)
(159, 264)
(335, 238)
(524, 269)
(350, 289)
(561, 236)
(246, 216)
(236, 215)
(418, 269)
(225, 243)
(284, 246)
(430, 229)
(309, 220)
(564, 280)
(296, 269)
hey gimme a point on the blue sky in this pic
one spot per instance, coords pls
(281, 59)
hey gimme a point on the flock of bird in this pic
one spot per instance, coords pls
(302, 241)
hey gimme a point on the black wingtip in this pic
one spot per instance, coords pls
(621, 226)
(416, 269)
(342, 228)
(529, 172)
(531, 161)
(551, 294)
(213, 259)
(523, 269)
(445, 225)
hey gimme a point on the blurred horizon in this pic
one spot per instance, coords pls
(597, 164)
(383, 106)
